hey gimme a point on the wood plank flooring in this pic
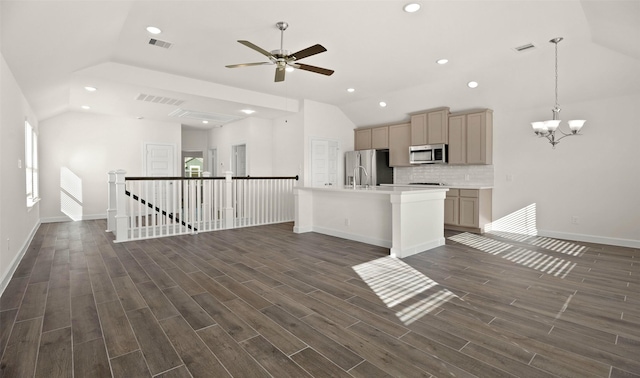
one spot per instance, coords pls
(265, 302)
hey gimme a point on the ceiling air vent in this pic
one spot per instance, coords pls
(159, 99)
(526, 47)
(159, 43)
(214, 118)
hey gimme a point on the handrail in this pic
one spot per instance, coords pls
(158, 210)
(146, 178)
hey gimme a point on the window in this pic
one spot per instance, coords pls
(193, 163)
(31, 163)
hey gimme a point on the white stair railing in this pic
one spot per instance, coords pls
(151, 207)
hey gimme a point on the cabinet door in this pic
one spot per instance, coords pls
(363, 139)
(476, 145)
(399, 142)
(380, 138)
(437, 127)
(457, 140)
(418, 129)
(468, 212)
(451, 209)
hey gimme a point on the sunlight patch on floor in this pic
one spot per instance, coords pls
(398, 284)
(533, 259)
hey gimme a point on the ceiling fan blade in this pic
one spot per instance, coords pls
(279, 74)
(315, 69)
(313, 50)
(248, 64)
(258, 49)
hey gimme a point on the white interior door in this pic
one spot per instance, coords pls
(324, 162)
(159, 160)
(239, 160)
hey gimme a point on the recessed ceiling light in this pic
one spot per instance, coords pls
(85, 107)
(411, 7)
(90, 89)
(248, 111)
(289, 69)
(139, 117)
(205, 122)
(153, 30)
(442, 61)
(351, 90)
(472, 84)
(383, 104)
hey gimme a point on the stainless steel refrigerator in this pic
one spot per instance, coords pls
(376, 164)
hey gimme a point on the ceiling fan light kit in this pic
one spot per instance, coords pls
(283, 59)
(547, 129)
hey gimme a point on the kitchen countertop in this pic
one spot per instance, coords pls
(382, 189)
(440, 186)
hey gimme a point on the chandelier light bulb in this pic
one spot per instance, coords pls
(552, 125)
(576, 124)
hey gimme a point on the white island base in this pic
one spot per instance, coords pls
(406, 220)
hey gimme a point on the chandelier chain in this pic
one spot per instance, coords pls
(557, 105)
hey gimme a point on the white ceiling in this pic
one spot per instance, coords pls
(55, 48)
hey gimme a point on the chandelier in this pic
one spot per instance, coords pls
(549, 128)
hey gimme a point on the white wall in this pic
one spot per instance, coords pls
(256, 133)
(288, 146)
(595, 176)
(87, 146)
(328, 122)
(17, 223)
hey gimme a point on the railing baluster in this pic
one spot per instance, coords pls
(159, 207)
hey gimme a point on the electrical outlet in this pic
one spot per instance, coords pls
(347, 222)
(575, 220)
(509, 178)
(466, 177)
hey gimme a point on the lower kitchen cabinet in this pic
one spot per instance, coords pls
(467, 209)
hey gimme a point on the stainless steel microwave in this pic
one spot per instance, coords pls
(428, 154)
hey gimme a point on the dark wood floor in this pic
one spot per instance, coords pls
(264, 301)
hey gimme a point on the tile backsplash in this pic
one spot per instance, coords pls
(480, 175)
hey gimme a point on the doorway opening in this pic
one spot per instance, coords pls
(193, 163)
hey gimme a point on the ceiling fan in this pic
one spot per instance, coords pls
(282, 58)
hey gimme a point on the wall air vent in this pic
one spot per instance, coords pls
(213, 118)
(159, 43)
(526, 47)
(159, 99)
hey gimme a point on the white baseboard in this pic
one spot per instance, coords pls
(590, 238)
(4, 280)
(354, 237)
(67, 219)
(424, 247)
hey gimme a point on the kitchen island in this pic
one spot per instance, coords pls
(406, 220)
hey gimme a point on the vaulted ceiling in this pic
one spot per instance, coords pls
(55, 48)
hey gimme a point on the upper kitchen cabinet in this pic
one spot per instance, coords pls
(471, 137)
(430, 127)
(380, 138)
(363, 139)
(399, 142)
(372, 138)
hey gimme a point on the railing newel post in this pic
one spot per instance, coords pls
(121, 217)
(228, 197)
(111, 202)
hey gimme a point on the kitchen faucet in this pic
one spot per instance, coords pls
(354, 175)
